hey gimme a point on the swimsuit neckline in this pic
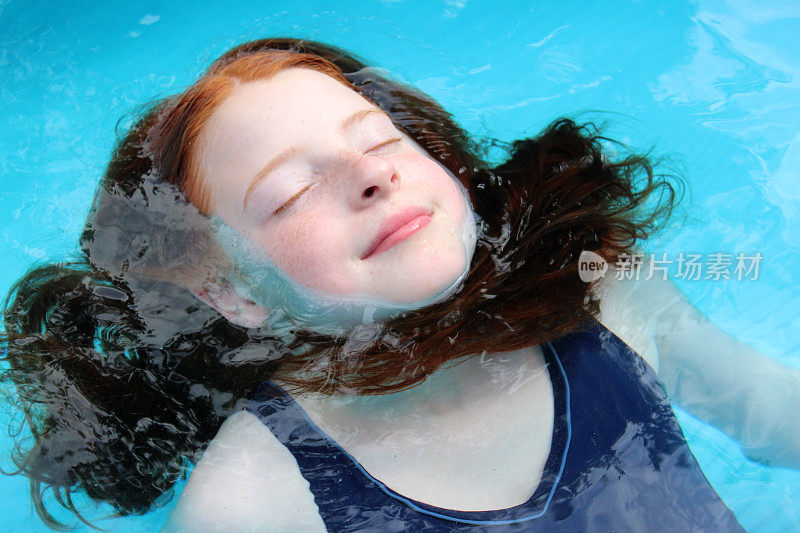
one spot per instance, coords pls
(534, 506)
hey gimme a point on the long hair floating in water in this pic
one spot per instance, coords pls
(124, 377)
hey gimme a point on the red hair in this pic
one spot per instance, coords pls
(182, 123)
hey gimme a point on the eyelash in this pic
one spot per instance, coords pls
(288, 203)
(385, 143)
(291, 200)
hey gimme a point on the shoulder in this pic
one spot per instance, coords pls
(634, 310)
(246, 481)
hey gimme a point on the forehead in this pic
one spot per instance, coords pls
(296, 98)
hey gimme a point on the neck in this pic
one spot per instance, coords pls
(455, 384)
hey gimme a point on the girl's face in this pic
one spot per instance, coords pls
(339, 199)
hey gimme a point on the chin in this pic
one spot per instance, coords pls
(424, 280)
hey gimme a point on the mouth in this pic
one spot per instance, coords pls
(397, 228)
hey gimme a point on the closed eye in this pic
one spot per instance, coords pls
(291, 200)
(384, 144)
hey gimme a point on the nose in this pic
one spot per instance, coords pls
(368, 179)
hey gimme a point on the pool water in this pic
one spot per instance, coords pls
(713, 84)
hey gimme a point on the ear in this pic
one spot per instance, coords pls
(236, 308)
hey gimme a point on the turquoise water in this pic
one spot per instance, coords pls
(714, 84)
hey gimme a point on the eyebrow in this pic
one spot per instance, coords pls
(290, 152)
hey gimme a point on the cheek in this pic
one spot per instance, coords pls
(442, 188)
(313, 254)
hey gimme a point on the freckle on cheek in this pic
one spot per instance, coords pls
(310, 257)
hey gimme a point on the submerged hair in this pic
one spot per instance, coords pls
(123, 376)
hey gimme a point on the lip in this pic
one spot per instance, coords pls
(397, 228)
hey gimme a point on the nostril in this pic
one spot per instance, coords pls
(369, 191)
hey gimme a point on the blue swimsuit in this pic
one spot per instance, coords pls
(618, 459)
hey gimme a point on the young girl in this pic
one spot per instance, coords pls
(299, 275)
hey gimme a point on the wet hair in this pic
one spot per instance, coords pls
(123, 377)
